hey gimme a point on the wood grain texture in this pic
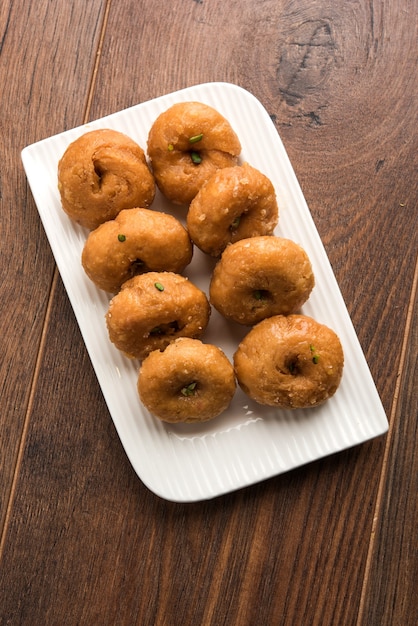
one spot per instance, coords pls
(42, 75)
(390, 587)
(331, 543)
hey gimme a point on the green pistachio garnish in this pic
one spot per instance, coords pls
(170, 147)
(235, 223)
(159, 286)
(315, 357)
(189, 390)
(196, 158)
(196, 138)
(122, 238)
(261, 294)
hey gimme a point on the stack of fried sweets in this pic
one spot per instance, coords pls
(138, 255)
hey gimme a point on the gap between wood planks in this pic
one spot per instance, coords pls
(385, 463)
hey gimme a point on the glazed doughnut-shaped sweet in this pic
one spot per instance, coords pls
(259, 277)
(289, 362)
(187, 143)
(152, 310)
(188, 382)
(135, 242)
(235, 203)
(101, 173)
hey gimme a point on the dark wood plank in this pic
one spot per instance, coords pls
(390, 593)
(45, 81)
(86, 542)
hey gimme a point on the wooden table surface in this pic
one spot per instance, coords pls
(83, 541)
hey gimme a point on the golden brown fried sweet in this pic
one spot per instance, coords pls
(152, 310)
(101, 173)
(289, 362)
(187, 143)
(189, 382)
(260, 277)
(235, 203)
(135, 242)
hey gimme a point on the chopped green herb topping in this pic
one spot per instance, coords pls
(196, 138)
(122, 238)
(170, 147)
(189, 390)
(159, 286)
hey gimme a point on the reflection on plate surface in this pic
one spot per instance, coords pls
(248, 443)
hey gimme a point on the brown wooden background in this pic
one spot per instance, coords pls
(83, 542)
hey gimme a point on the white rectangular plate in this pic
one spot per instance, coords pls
(248, 443)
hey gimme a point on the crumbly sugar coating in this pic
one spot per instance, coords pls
(235, 203)
(289, 362)
(187, 143)
(260, 277)
(189, 381)
(101, 173)
(136, 241)
(152, 310)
